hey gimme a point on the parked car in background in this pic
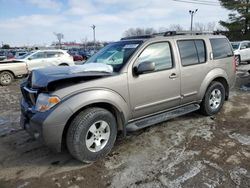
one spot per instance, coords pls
(2, 56)
(20, 54)
(85, 55)
(10, 69)
(44, 58)
(128, 85)
(76, 56)
(241, 51)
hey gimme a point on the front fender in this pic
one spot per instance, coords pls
(213, 74)
(56, 119)
(80, 100)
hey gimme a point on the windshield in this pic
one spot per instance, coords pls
(24, 56)
(115, 54)
(235, 46)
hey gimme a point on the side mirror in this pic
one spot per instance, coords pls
(243, 47)
(146, 66)
(29, 58)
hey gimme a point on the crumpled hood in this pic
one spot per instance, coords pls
(43, 78)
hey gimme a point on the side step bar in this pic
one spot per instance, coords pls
(152, 120)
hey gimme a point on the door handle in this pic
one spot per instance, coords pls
(173, 76)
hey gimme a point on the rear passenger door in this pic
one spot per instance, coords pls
(193, 58)
(52, 58)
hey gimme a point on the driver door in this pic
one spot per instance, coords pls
(155, 91)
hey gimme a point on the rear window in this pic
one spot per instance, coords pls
(192, 52)
(221, 48)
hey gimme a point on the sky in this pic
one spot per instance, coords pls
(33, 22)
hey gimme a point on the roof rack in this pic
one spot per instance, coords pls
(173, 33)
(138, 37)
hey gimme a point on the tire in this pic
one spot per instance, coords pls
(238, 60)
(80, 134)
(212, 103)
(6, 78)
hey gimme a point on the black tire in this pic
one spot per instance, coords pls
(206, 109)
(238, 60)
(77, 134)
(6, 78)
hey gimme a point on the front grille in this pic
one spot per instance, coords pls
(29, 95)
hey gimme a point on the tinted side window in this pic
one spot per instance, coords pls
(192, 52)
(221, 48)
(160, 54)
(53, 54)
(38, 55)
(200, 46)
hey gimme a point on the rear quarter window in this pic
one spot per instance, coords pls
(221, 48)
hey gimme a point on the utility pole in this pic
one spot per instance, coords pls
(93, 27)
(192, 12)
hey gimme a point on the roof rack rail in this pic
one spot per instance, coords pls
(173, 33)
(138, 37)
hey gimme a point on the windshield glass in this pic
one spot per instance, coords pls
(235, 46)
(24, 56)
(115, 54)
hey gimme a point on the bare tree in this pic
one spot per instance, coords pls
(59, 37)
(138, 31)
(210, 26)
(176, 27)
(85, 42)
(199, 27)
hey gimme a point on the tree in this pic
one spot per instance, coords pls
(175, 27)
(238, 24)
(6, 46)
(138, 31)
(210, 26)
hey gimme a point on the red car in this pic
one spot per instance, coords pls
(76, 57)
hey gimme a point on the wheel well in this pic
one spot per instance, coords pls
(223, 81)
(9, 72)
(63, 64)
(117, 114)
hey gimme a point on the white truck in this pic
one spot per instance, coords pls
(14, 68)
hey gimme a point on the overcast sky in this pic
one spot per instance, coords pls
(28, 22)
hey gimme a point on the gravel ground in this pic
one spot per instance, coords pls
(189, 151)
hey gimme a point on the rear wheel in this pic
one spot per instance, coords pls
(214, 99)
(6, 78)
(91, 134)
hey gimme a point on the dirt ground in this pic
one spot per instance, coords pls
(189, 151)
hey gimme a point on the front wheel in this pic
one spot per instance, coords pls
(6, 78)
(214, 99)
(91, 134)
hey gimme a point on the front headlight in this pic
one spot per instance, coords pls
(45, 102)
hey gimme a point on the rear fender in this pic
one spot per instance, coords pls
(212, 75)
